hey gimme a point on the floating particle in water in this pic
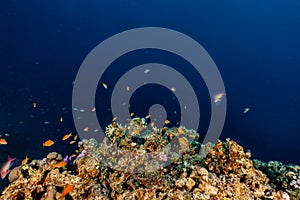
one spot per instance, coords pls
(115, 118)
(131, 114)
(34, 104)
(61, 119)
(105, 85)
(86, 129)
(147, 117)
(173, 89)
(46, 122)
(82, 110)
(94, 109)
(146, 71)
(127, 88)
(21, 122)
(246, 110)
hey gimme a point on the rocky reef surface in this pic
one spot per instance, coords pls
(103, 171)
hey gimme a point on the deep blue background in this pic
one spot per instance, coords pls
(255, 44)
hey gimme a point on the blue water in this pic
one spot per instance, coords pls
(255, 45)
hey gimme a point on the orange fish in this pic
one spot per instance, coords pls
(48, 143)
(66, 191)
(25, 161)
(3, 141)
(218, 97)
(60, 164)
(67, 136)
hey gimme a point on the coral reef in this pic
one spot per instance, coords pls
(226, 171)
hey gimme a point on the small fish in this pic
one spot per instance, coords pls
(61, 119)
(173, 89)
(127, 88)
(131, 114)
(75, 137)
(246, 110)
(67, 136)
(146, 71)
(105, 85)
(65, 191)
(3, 141)
(34, 104)
(46, 122)
(6, 134)
(218, 97)
(86, 129)
(24, 161)
(5, 167)
(72, 141)
(147, 117)
(167, 121)
(48, 143)
(60, 164)
(114, 119)
(94, 109)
